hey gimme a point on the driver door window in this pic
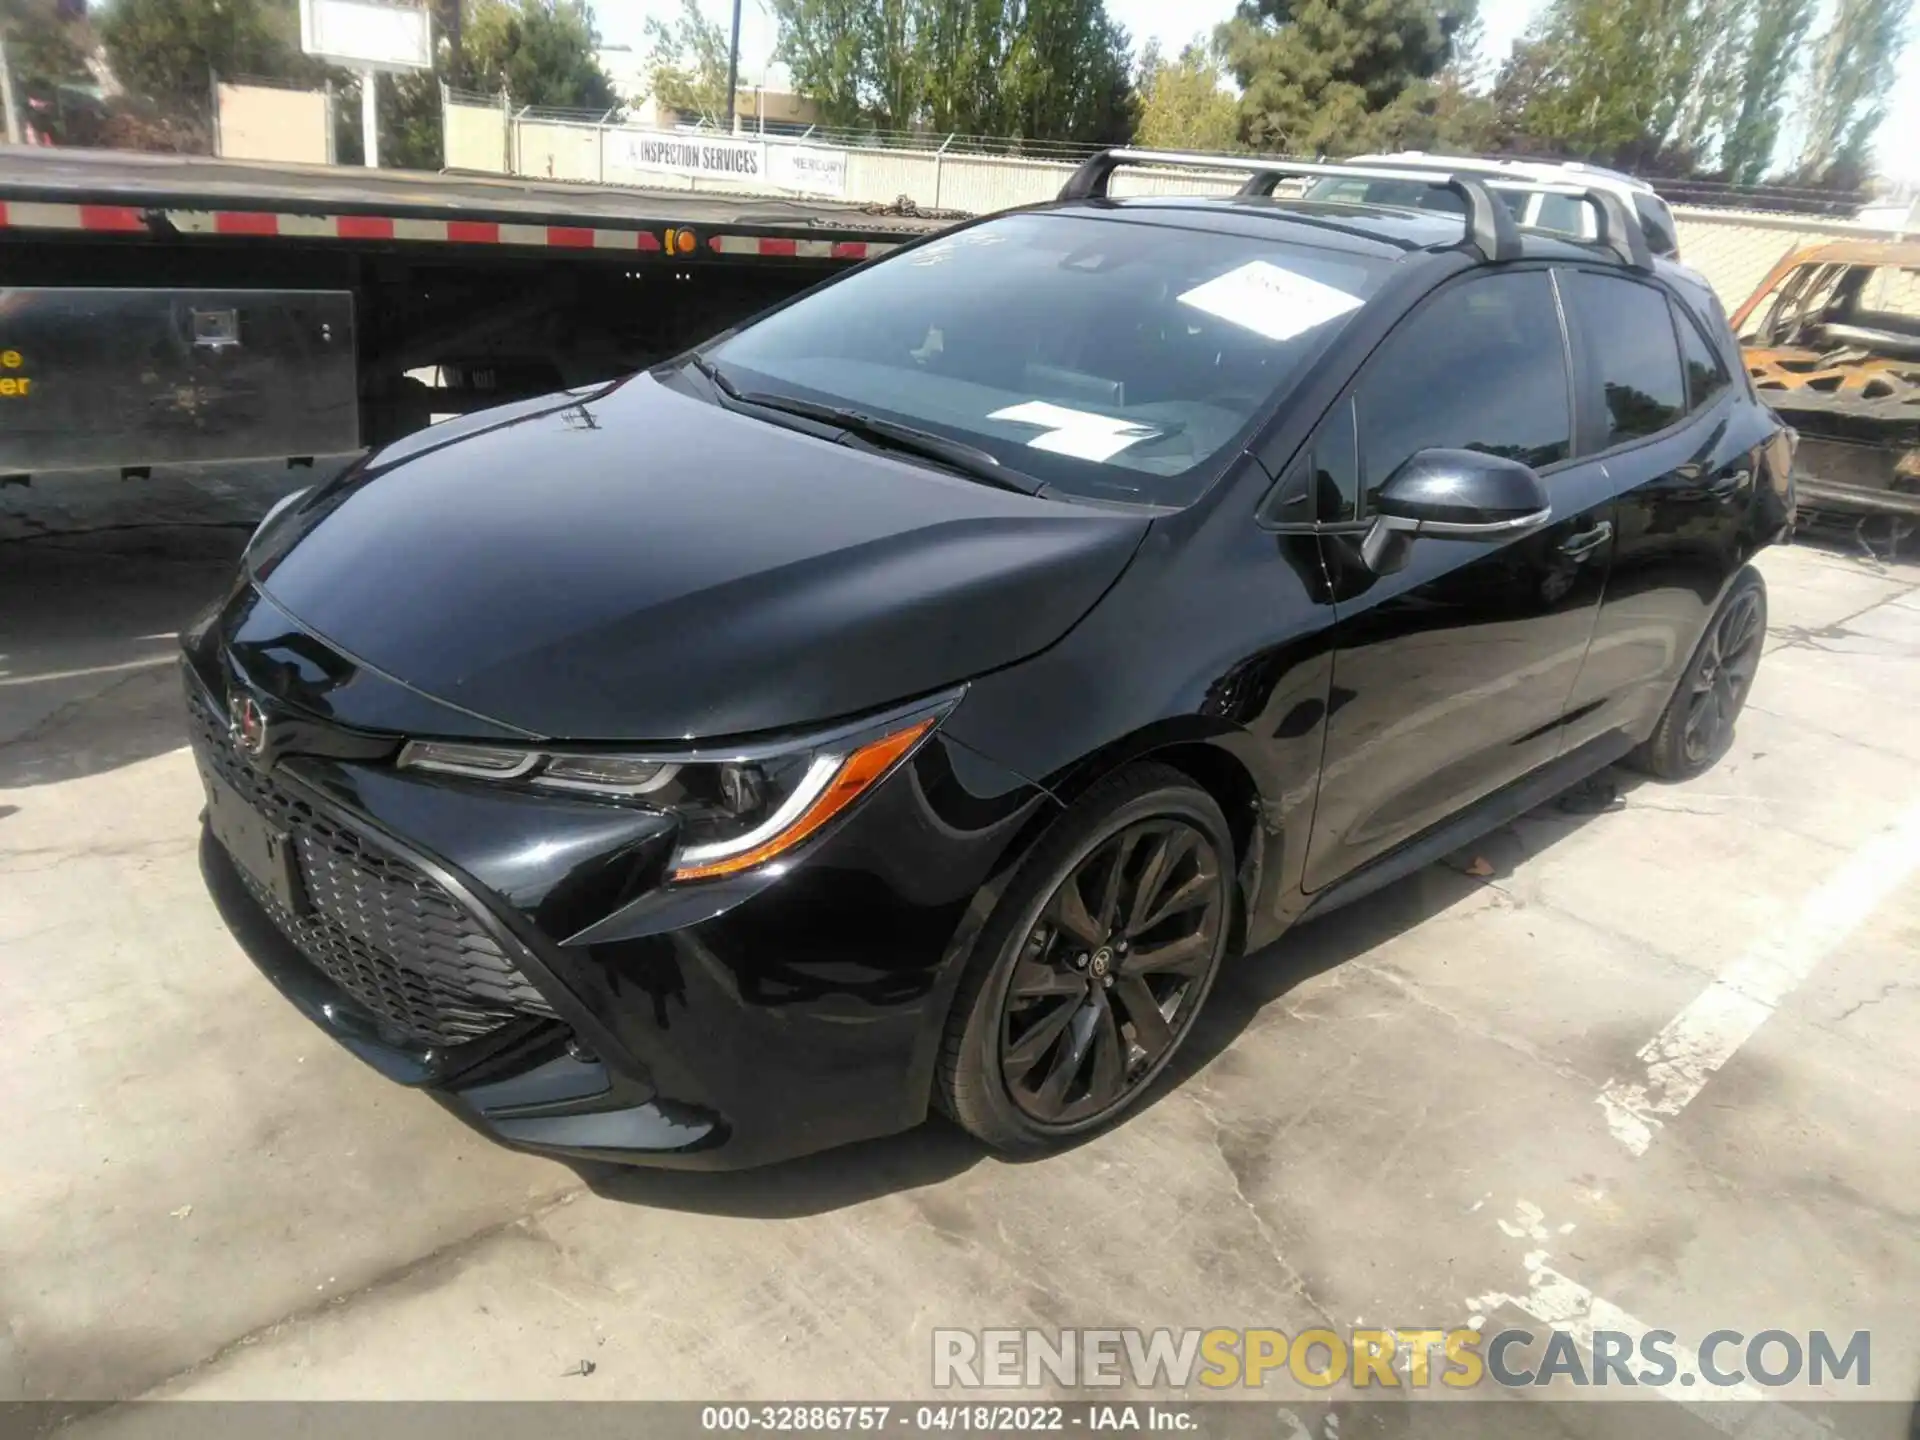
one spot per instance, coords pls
(1482, 367)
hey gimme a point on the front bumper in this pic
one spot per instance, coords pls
(532, 1085)
(711, 1026)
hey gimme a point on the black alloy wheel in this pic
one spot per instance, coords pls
(1696, 728)
(1099, 992)
(1723, 676)
(1093, 968)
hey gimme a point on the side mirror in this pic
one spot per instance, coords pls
(1454, 495)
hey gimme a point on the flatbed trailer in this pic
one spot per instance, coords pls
(157, 309)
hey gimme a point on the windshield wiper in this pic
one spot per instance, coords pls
(969, 460)
(956, 454)
(712, 371)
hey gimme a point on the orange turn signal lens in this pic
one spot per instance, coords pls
(681, 241)
(857, 774)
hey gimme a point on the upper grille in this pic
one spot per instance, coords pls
(380, 928)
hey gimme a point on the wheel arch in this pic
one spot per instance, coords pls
(1205, 754)
(1202, 751)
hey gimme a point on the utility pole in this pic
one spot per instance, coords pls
(6, 93)
(733, 70)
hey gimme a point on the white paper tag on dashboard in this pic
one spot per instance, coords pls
(1270, 301)
(1079, 433)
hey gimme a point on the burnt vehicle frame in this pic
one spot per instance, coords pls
(1828, 347)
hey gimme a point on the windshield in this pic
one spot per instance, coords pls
(1106, 358)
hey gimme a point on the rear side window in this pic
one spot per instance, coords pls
(1480, 368)
(1628, 337)
(1706, 374)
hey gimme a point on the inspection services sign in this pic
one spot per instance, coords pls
(774, 165)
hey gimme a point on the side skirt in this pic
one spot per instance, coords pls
(1508, 803)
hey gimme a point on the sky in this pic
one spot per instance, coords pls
(1174, 22)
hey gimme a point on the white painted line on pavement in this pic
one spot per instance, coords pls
(43, 675)
(1564, 1304)
(1701, 1038)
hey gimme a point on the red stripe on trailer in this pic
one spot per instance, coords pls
(364, 227)
(245, 222)
(131, 219)
(111, 217)
(763, 245)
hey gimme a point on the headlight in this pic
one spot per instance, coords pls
(737, 808)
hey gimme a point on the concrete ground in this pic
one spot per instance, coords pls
(1429, 1107)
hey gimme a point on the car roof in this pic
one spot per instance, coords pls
(1494, 166)
(1383, 231)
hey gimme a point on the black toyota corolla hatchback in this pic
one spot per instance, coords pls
(913, 697)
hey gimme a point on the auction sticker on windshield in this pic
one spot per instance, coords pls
(1270, 301)
(1082, 434)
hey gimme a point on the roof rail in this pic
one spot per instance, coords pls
(1618, 228)
(1490, 224)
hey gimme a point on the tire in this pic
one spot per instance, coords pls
(1696, 728)
(1161, 841)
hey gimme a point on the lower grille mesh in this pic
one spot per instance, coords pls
(381, 929)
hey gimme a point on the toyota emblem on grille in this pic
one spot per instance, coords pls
(247, 724)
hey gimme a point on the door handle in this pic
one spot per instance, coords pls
(1726, 484)
(1574, 547)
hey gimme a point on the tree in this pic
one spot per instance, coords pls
(825, 46)
(687, 65)
(1313, 72)
(169, 50)
(46, 50)
(1853, 70)
(1613, 80)
(1450, 112)
(863, 62)
(541, 52)
(410, 118)
(409, 105)
(1067, 74)
(964, 44)
(1772, 54)
(1037, 69)
(1182, 103)
(46, 41)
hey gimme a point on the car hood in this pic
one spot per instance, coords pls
(640, 564)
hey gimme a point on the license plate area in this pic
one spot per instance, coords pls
(256, 846)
